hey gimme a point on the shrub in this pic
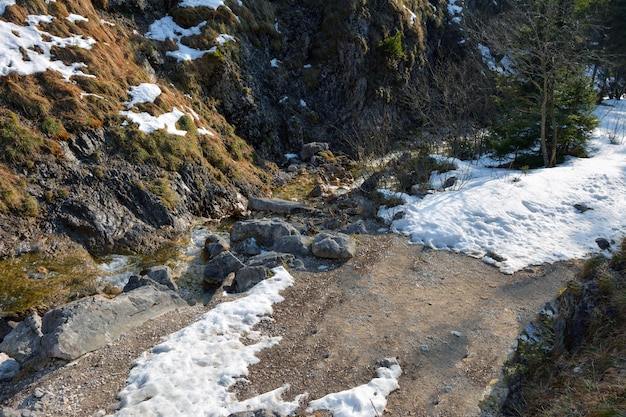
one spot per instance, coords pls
(392, 46)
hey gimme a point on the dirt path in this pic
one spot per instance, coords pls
(449, 319)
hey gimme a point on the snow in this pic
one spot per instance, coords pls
(148, 123)
(211, 4)
(76, 18)
(455, 11)
(363, 401)
(189, 374)
(4, 4)
(275, 63)
(223, 38)
(28, 40)
(527, 218)
(143, 93)
(412, 15)
(166, 28)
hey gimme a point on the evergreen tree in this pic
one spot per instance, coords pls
(545, 95)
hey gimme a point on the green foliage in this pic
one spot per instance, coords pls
(160, 148)
(18, 145)
(517, 125)
(161, 187)
(54, 128)
(392, 46)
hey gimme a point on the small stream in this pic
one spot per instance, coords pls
(34, 280)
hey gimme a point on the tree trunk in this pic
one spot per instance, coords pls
(544, 116)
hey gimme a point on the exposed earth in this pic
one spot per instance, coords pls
(449, 319)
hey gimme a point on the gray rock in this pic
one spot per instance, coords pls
(449, 182)
(317, 191)
(257, 413)
(603, 243)
(9, 367)
(310, 149)
(217, 269)
(333, 246)
(90, 323)
(214, 245)
(276, 205)
(271, 260)
(248, 277)
(247, 247)
(24, 342)
(265, 231)
(162, 275)
(356, 228)
(297, 245)
(136, 281)
(582, 207)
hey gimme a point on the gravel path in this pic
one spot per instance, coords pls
(448, 318)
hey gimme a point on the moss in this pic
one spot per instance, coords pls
(161, 187)
(17, 143)
(35, 280)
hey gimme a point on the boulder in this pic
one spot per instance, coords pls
(272, 260)
(333, 246)
(9, 367)
(356, 228)
(23, 343)
(248, 277)
(311, 149)
(247, 247)
(136, 281)
(295, 244)
(214, 245)
(276, 205)
(264, 231)
(161, 275)
(217, 269)
(90, 323)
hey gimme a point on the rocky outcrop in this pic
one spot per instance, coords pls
(88, 324)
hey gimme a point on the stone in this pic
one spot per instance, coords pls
(603, 243)
(317, 191)
(271, 260)
(295, 244)
(277, 205)
(161, 275)
(248, 277)
(333, 246)
(214, 245)
(449, 182)
(247, 247)
(90, 323)
(311, 149)
(136, 281)
(24, 342)
(9, 367)
(264, 231)
(356, 228)
(257, 413)
(582, 207)
(217, 269)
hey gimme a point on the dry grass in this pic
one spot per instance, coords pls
(591, 381)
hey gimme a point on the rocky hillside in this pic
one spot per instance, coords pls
(124, 119)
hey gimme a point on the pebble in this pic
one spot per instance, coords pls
(424, 348)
